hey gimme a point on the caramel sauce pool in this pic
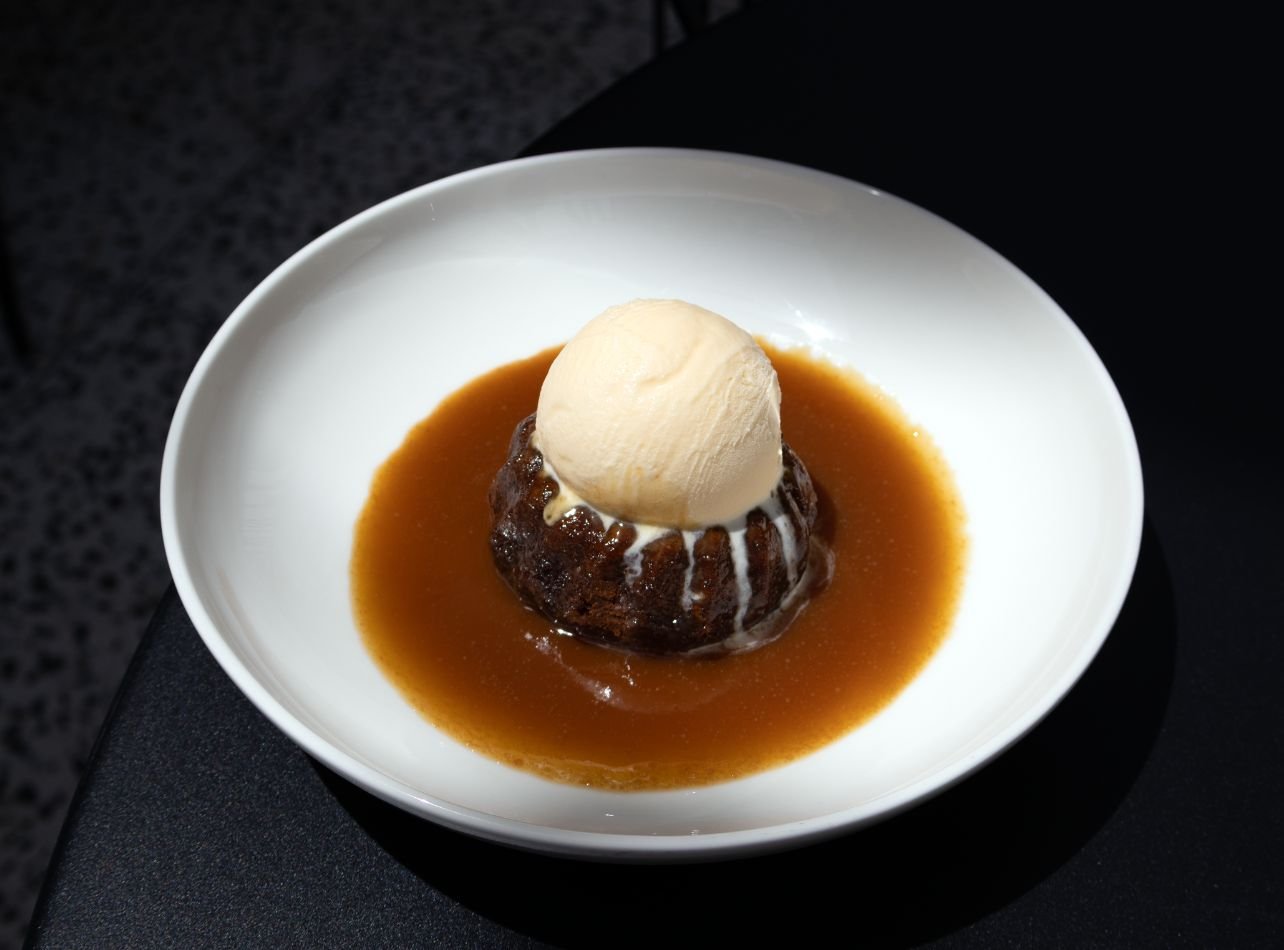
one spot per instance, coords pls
(461, 647)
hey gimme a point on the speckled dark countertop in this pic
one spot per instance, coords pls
(158, 161)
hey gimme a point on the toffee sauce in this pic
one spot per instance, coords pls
(463, 650)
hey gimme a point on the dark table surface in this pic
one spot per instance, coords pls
(1116, 167)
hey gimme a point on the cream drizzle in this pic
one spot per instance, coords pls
(690, 597)
(646, 533)
(779, 517)
(740, 566)
(567, 498)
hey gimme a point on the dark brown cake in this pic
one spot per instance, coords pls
(577, 574)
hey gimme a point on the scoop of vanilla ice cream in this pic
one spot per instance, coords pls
(663, 413)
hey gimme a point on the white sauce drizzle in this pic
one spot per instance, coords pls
(779, 517)
(567, 498)
(740, 565)
(690, 597)
(646, 533)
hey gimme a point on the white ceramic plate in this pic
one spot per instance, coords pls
(318, 376)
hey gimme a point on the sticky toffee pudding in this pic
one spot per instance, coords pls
(441, 622)
(650, 590)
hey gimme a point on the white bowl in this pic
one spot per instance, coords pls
(318, 376)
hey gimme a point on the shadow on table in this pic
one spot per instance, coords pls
(923, 874)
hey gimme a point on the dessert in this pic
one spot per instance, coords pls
(443, 627)
(650, 503)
